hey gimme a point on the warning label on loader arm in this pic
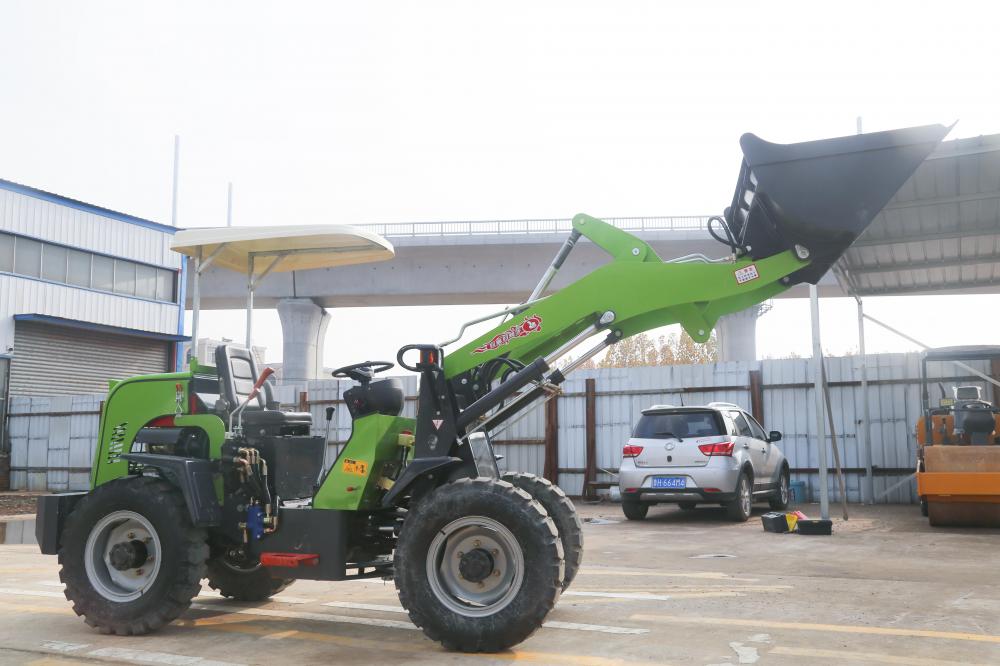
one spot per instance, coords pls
(747, 273)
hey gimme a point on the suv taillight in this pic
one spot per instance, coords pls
(631, 451)
(718, 449)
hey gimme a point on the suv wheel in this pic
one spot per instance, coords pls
(779, 501)
(738, 510)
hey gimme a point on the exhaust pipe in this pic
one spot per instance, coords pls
(817, 197)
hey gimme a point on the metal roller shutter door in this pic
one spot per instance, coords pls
(56, 360)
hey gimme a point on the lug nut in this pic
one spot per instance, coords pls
(496, 572)
(131, 535)
(476, 543)
(495, 551)
(138, 572)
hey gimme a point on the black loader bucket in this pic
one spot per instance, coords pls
(820, 195)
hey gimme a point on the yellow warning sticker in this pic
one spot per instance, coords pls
(359, 467)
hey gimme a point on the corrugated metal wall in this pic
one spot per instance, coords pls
(64, 224)
(621, 394)
(55, 360)
(52, 441)
(49, 221)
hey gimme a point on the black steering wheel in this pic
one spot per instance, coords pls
(364, 371)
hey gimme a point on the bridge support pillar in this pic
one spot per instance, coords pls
(737, 334)
(303, 328)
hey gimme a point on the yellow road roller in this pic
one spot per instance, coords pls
(958, 458)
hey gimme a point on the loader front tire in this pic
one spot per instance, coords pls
(130, 558)
(562, 512)
(478, 565)
(243, 581)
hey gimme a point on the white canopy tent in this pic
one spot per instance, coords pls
(282, 248)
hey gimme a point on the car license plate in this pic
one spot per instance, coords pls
(669, 482)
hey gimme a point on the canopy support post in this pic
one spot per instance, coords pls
(824, 499)
(250, 270)
(195, 305)
(866, 430)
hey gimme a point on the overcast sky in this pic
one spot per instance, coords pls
(336, 112)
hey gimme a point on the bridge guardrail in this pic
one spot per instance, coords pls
(538, 226)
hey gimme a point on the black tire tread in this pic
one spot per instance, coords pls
(562, 512)
(250, 585)
(635, 510)
(774, 501)
(733, 510)
(191, 568)
(499, 636)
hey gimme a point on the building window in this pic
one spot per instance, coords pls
(6, 253)
(27, 257)
(54, 263)
(79, 268)
(103, 274)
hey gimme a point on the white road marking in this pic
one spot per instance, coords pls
(31, 593)
(145, 657)
(604, 629)
(300, 615)
(281, 599)
(710, 575)
(291, 600)
(575, 626)
(747, 655)
(641, 596)
(61, 646)
(370, 607)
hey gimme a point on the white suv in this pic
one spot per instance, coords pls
(714, 454)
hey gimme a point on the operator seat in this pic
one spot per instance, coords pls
(237, 374)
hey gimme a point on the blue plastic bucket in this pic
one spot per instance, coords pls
(798, 492)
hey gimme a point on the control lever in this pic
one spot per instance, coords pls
(238, 412)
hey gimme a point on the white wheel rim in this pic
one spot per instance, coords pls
(745, 503)
(120, 527)
(465, 597)
(784, 489)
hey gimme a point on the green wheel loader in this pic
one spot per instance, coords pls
(199, 474)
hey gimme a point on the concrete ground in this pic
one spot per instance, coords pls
(678, 588)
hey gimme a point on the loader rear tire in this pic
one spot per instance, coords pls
(562, 512)
(478, 565)
(242, 581)
(130, 558)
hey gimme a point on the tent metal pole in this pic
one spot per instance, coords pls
(824, 497)
(866, 429)
(250, 272)
(195, 305)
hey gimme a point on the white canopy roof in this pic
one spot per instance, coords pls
(303, 247)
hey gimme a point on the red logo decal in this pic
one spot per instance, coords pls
(529, 325)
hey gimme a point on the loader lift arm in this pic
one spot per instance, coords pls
(795, 210)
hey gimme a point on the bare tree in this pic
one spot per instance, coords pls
(641, 350)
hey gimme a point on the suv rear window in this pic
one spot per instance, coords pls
(664, 425)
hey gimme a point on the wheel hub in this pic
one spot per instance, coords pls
(476, 565)
(127, 555)
(122, 556)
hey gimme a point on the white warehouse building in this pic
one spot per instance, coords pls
(87, 295)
